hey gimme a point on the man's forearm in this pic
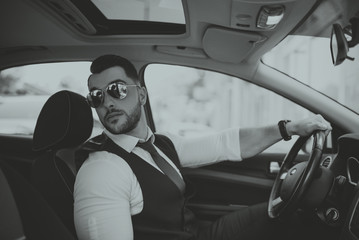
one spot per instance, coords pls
(255, 140)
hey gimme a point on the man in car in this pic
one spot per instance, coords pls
(131, 186)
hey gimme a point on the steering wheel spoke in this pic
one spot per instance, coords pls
(277, 202)
(283, 175)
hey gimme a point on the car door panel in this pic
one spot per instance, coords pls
(228, 186)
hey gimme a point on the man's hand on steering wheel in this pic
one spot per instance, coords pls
(294, 179)
(308, 125)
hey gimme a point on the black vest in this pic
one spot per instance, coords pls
(164, 215)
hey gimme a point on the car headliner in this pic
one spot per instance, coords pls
(38, 34)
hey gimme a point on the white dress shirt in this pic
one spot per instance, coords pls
(107, 192)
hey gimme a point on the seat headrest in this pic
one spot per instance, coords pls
(65, 121)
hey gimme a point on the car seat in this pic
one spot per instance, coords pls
(10, 221)
(24, 212)
(64, 123)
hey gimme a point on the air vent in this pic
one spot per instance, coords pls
(326, 162)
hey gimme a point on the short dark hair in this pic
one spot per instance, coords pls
(107, 61)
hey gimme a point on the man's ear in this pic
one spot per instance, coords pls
(142, 95)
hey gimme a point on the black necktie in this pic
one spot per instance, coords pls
(166, 168)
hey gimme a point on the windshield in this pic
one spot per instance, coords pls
(308, 60)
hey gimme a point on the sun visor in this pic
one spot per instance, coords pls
(229, 46)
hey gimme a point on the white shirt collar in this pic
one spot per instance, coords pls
(129, 142)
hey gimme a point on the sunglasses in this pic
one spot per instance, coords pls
(116, 90)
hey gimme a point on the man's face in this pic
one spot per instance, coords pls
(117, 115)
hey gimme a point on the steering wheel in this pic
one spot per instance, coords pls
(292, 181)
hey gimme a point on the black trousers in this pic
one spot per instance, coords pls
(251, 223)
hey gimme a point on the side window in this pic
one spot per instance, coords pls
(25, 89)
(189, 102)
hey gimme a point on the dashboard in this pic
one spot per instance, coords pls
(351, 227)
(346, 165)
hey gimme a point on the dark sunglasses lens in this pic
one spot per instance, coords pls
(117, 90)
(95, 98)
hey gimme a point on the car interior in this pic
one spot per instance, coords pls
(222, 52)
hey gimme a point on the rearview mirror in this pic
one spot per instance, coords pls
(338, 45)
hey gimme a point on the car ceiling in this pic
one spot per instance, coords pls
(32, 32)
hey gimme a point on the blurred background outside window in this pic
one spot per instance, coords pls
(191, 102)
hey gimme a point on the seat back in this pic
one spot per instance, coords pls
(64, 123)
(24, 212)
(10, 221)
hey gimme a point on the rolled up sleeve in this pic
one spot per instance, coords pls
(102, 200)
(208, 149)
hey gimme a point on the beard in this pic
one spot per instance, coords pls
(131, 120)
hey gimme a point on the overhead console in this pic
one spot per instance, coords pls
(258, 15)
(253, 28)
